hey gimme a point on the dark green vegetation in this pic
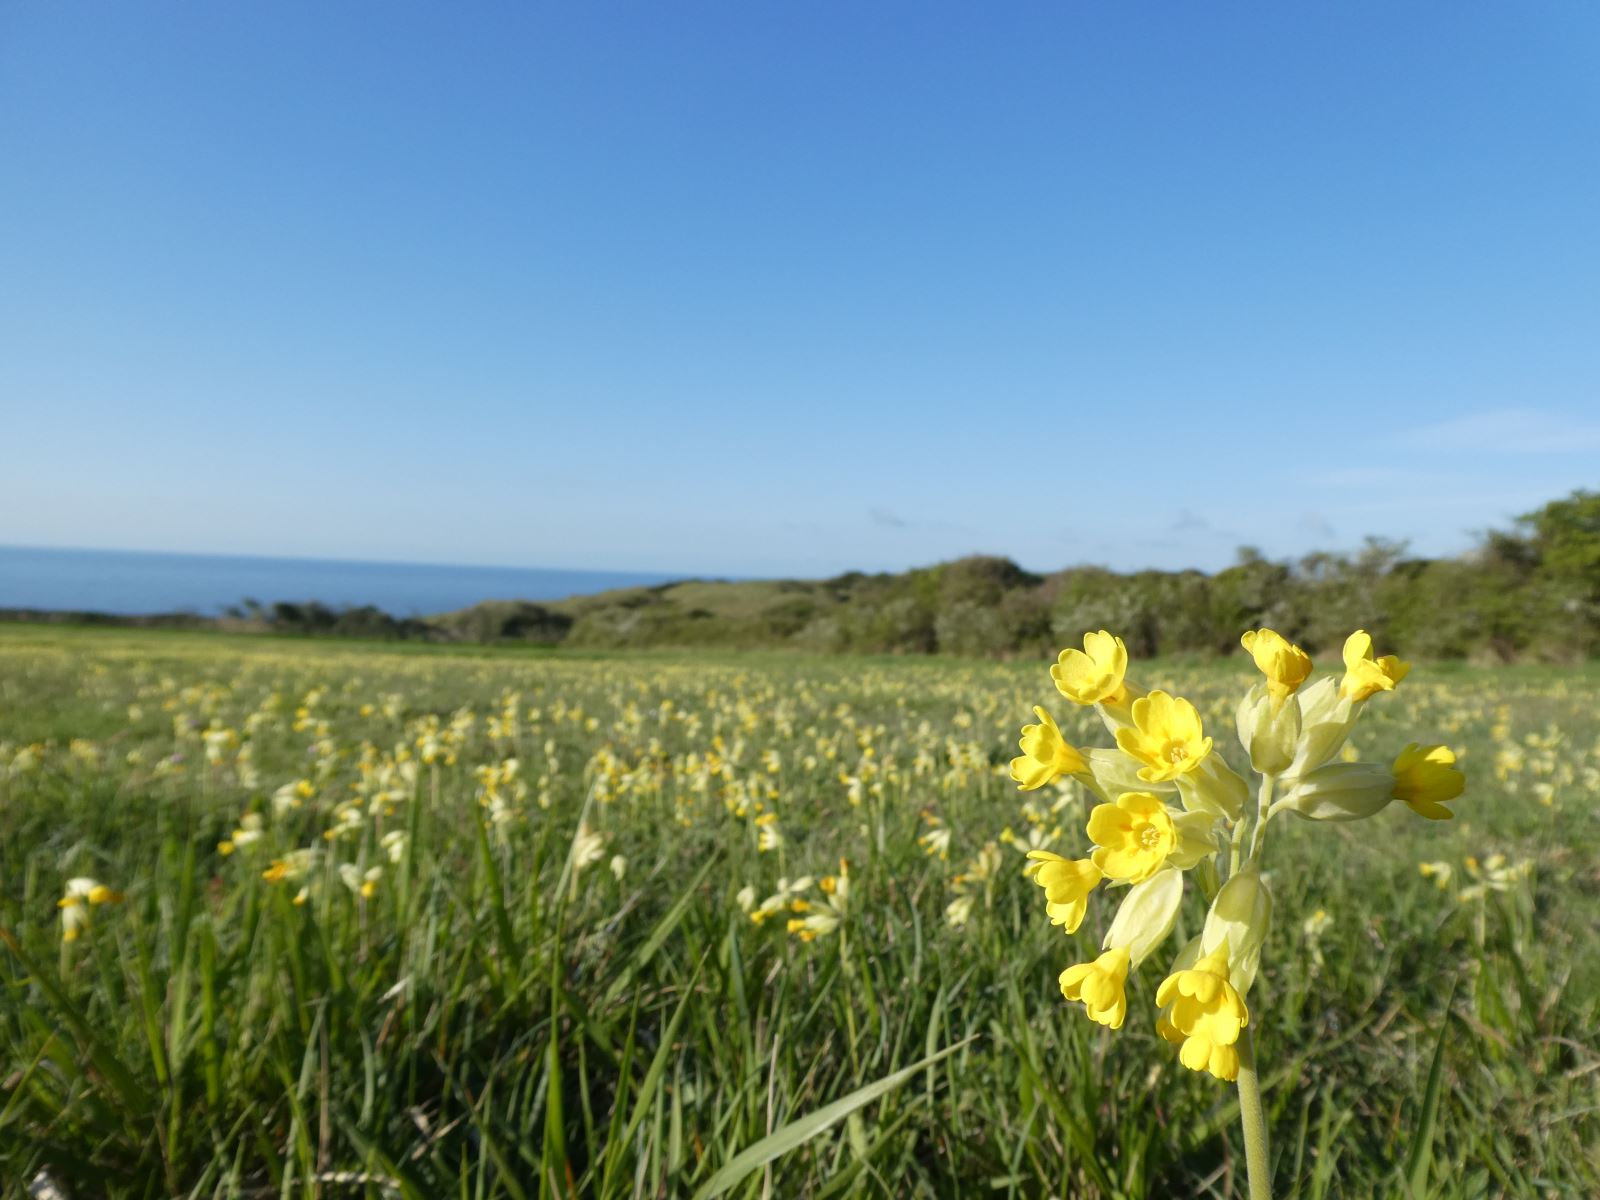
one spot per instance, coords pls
(1529, 593)
(491, 1024)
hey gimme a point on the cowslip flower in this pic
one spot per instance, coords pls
(1100, 985)
(1301, 762)
(1425, 777)
(82, 893)
(1046, 755)
(825, 916)
(1365, 675)
(1067, 883)
(1133, 837)
(1165, 736)
(1204, 1015)
(1093, 675)
(1284, 664)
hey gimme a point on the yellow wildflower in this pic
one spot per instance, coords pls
(1099, 985)
(1165, 736)
(1133, 836)
(1425, 777)
(1363, 674)
(1094, 674)
(1067, 883)
(1204, 1015)
(1046, 755)
(1285, 665)
(81, 893)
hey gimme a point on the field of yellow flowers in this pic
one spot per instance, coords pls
(288, 918)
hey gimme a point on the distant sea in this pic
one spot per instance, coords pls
(136, 583)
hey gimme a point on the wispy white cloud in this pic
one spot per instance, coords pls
(1508, 431)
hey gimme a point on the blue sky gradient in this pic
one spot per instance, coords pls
(758, 289)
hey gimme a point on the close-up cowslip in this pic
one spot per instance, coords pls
(1172, 812)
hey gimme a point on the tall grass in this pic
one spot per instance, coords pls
(503, 1019)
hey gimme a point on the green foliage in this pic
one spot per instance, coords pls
(480, 1027)
(1532, 592)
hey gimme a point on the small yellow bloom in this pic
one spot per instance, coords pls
(1067, 883)
(1204, 1015)
(1094, 674)
(1046, 755)
(1425, 777)
(81, 894)
(1099, 985)
(1285, 665)
(1165, 736)
(1133, 836)
(1363, 674)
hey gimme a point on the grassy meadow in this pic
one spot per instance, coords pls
(434, 922)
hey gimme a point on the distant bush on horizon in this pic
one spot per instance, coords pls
(1529, 592)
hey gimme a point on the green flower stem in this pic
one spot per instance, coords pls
(1258, 835)
(1258, 1164)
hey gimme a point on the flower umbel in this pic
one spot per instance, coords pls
(82, 893)
(1172, 806)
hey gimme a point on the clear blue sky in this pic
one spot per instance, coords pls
(787, 288)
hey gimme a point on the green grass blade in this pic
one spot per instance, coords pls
(796, 1133)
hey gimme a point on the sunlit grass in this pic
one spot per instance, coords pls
(506, 1017)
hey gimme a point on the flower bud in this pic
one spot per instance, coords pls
(1147, 914)
(1213, 787)
(1239, 917)
(1341, 792)
(1269, 729)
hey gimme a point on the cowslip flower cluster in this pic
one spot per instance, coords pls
(1170, 808)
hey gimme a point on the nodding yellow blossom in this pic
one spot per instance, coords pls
(1046, 755)
(1133, 836)
(82, 893)
(1094, 674)
(823, 918)
(1363, 674)
(1285, 665)
(1165, 736)
(292, 866)
(1099, 985)
(1204, 1015)
(1067, 883)
(1425, 777)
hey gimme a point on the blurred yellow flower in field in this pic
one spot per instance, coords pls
(81, 894)
(1046, 755)
(1165, 736)
(1364, 674)
(1425, 777)
(1285, 665)
(1093, 675)
(1099, 985)
(1133, 836)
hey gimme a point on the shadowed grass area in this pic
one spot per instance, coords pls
(461, 992)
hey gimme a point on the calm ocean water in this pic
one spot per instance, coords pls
(114, 581)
